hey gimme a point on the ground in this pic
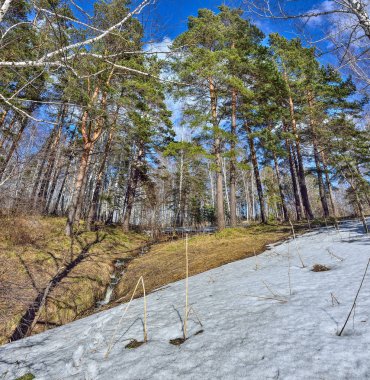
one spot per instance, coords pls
(257, 318)
(34, 248)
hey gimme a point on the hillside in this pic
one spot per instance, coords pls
(267, 318)
(34, 250)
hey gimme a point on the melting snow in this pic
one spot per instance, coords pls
(254, 325)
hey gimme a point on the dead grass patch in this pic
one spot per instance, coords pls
(319, 268)
(165, 262)
(177, 341)
(134, 344)
(31, 252)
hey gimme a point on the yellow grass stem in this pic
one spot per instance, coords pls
(255, 256)
(289, 278)
(296, 244)
(111, 342)
(186, 287)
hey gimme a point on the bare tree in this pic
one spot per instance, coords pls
(345, 24)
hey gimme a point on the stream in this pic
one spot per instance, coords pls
(119, 271)
(121, 264)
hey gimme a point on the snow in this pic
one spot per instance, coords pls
(245, 336)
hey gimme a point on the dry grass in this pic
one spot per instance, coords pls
(32, 250)
(165, 262)
(319, 268)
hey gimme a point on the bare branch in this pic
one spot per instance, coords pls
(89, 41)
(4, 8)
(24, 113)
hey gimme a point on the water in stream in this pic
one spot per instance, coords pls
(115, 278)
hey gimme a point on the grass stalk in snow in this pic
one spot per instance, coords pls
(308, 222)
(337, 230)
(282, 300)
(333, 255)
(334, 300)
(186, 287)
(296, 244)
(255, 256)
(191, 309)
(289, 279)
(354, 302)
(111, 342)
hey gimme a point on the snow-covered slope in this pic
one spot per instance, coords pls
(247, 333)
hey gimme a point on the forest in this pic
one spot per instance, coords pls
(114, 137)
(266, 133)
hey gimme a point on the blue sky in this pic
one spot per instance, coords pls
(168, 18)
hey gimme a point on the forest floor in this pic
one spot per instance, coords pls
(33, 249)
(257, 318)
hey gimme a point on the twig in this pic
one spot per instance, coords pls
(354, 302)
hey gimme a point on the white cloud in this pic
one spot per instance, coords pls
(160, 48)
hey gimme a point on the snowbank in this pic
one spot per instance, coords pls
(262, 318)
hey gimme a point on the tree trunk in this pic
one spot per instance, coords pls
(77, 196)
(233, 220)
(13, 147)
(47, 179)
(282, 196)
(328, 185)
(135, 175)
(256, 172)
(322, 191)
(301, 175)
(297, 200)
(220, 213)
(89, 138)
(93, 210)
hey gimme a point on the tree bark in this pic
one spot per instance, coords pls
(328, 185)
(134, 177)
(13, 147)
(93, 210)
(220, 212)
(233, 219)
(256, 172)
(282, 196)
(293, 177)
(89, 138)
(46, 180)
(322, 190)
(301, 175)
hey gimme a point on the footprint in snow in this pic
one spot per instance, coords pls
(77, 356)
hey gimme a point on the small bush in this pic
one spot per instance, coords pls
(21, 231)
